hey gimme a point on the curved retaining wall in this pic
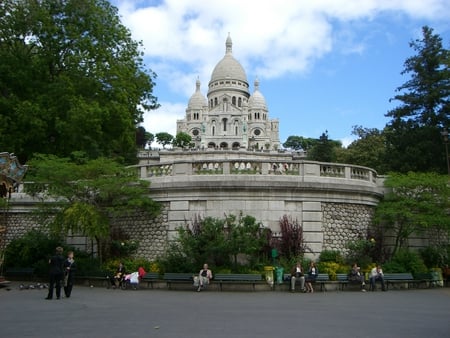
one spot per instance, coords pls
(333, 202)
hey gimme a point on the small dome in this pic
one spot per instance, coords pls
(228, 68)
(197, 100)
(257, 100)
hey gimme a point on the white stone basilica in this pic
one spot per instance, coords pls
(229, 117)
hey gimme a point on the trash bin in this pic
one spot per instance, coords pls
(279, 273)
(268, 271)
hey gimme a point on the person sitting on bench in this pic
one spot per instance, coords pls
(297, 273)
(377, 275)
(119, 276)
(204, 277)
(355, 275)
(311, 277)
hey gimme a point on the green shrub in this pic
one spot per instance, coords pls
(32, 250)
(361, 252)
(434, 256)
(331, 256)
(405, 261)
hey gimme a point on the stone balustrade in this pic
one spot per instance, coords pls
(256, 167)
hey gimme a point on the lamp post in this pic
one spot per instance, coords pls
(445, 138)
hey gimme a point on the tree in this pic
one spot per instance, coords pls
(244, 236)
(71, 78)
(416, 202)
(143, 137)
(216, 240)
(87, 195)
(182, 140)
(164, 138)
(150, 138)
(299, 143)
(324, 150)
(368, 150)
(413, 135)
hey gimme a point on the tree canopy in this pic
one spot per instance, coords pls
(413, 135)
(71, 79)
(416, 202)
(367, 150)
(87, 195)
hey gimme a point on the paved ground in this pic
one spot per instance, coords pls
(98, 312)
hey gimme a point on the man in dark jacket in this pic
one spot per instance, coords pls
(56, 273)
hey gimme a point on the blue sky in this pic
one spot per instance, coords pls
(322, 64)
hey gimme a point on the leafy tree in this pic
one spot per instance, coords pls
(245, 236)
(416, 202)
(217, 240)
(87, 196)
(324, 150)
(164, 138)
(150, 138)
(413, 135)
(182, 140)
(143, 137)
(299, 143)
(204, 241)
(71, 78)
(368, 150)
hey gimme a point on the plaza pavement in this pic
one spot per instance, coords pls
(99, 312)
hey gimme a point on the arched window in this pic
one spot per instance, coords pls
(233, 100)
(216, 102)
(239, 102)
(224, 121)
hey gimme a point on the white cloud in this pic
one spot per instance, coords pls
(164, 119)
(185, 39)
(274, 38)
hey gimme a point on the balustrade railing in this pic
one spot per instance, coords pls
(258, 167)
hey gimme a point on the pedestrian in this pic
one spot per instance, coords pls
(69, 273)
(56, 273)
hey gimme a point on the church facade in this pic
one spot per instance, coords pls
(229, 117)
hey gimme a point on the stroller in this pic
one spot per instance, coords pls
(132, 280)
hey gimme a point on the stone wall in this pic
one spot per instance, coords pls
(343, 223)
(150, 233)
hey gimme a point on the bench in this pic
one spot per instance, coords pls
(4, 282)
(21, 273)
(425, 278)
(175, 277)
(150, 278)
(321, 279)
(239, 278)
(343, 280)
(398, 278)
(446, 276)
(101, 278)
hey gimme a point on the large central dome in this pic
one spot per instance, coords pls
(228, 68)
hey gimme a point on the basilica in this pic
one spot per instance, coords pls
(229, 117)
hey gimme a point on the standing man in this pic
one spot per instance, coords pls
(56, 273)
